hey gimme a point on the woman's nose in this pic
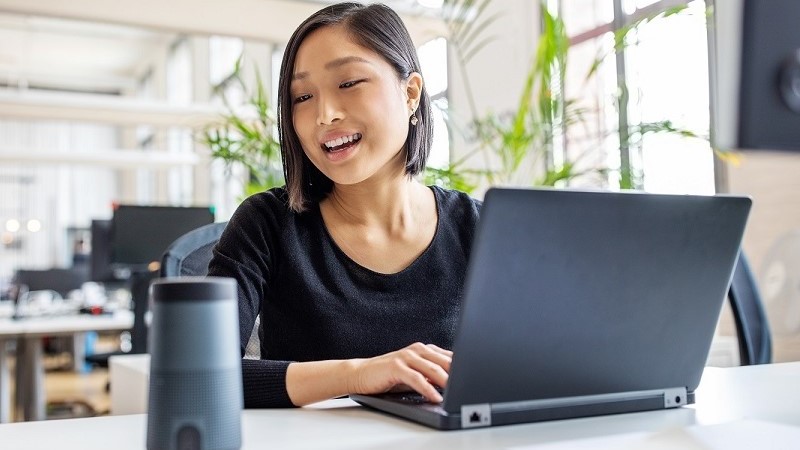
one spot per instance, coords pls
(328, 110)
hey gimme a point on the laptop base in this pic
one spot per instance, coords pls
(475, 416)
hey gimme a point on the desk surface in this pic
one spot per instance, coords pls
(769, 393)
(66, 324)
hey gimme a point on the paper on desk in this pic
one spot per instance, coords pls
(742, 434)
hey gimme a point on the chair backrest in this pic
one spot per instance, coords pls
(190, 254)
(752, 328)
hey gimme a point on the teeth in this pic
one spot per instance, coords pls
(342, 140)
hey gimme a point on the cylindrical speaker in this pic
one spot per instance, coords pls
(195, 398)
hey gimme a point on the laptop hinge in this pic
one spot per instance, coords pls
(473, 416)
(675, 397)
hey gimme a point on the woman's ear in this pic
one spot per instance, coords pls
(414, 85)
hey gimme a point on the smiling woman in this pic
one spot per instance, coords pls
(355, 268)
(364, 53)
(345, 92)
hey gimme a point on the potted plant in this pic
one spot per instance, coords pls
(247, 136)
(522, 142)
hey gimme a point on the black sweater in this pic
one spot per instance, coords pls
(316, 303)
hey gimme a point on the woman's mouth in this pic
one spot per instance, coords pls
(342, 143)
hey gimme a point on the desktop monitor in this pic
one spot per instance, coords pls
(754, 50)
(141, 234)
(59, 280)
(100, 256)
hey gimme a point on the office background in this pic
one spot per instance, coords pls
(101, 103)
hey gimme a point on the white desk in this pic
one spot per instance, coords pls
(726, 396)
(30, 397)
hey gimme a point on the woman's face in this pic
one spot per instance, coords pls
(349, 109)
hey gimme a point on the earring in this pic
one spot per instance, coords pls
(414, 119)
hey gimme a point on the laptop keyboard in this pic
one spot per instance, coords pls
(413, 398)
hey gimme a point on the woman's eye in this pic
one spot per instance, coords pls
(348, 84)
(302, 98)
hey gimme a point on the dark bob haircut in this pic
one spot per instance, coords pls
(379, 29)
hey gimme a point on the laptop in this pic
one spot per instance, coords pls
(584, 303)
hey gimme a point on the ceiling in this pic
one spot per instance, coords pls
(63, 54)
(100, 46)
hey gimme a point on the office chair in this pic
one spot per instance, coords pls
(752, 329)
(189, 256)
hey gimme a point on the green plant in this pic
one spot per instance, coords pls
(466, 25)
(523, 144)
(247, 137)
(524, 140)
(454, 176)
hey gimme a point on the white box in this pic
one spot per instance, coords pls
(129, 379)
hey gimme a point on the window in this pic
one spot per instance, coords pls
(277, 58)
(664, 69)
(433, 59)
(180, 82)
(223, 53)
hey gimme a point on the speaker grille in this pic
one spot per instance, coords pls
(209, 401)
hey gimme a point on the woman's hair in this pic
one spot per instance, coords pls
(377, 28)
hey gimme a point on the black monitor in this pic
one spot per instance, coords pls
(141, 234)
(60, 280)
(100, 256)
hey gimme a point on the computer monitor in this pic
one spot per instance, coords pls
(59, 280)
(141, 234)
(100, 256)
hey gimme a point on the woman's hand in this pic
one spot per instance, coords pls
(419, 367)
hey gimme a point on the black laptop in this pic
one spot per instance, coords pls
(584, 303)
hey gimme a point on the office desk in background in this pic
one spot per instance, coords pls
(30, 393)
(736, 407)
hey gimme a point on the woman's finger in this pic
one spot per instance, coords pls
(429, 369)
(438, 349)
(416, 381)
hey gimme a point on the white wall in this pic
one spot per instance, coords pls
(772, 180)
(497, 72)
(58, 196)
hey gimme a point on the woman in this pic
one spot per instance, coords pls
(354, 267)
